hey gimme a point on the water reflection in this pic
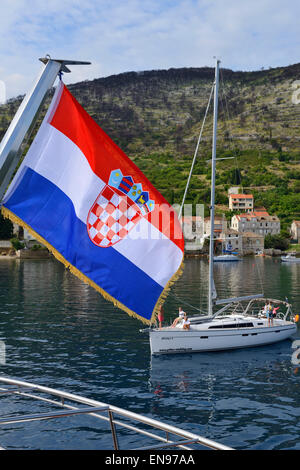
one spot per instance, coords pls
(225, 394)
(195, 368)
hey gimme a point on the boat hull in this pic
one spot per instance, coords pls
(172, 341)
(229, 258)
(290, 260)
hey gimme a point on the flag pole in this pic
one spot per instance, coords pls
(26, 116)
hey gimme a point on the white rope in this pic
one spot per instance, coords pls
(195, 155)
(186, 303)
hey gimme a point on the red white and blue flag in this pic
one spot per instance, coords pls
(80, 195)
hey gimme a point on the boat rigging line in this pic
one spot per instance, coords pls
(225, 108)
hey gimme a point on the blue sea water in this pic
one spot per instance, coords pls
(60, 333)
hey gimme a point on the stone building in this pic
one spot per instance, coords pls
(230, 240)
(252, 243)
(259, 222)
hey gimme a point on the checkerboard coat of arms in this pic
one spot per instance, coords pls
(117, 209)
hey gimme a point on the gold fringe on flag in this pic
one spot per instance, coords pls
(11, 216)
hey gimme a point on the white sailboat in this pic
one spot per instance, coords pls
(227, 254)
(227, 257)
(241, 322)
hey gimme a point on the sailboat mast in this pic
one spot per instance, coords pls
(212, 200)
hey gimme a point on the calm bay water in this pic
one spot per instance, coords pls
(60, 333)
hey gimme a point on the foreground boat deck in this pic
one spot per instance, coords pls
(66, 404)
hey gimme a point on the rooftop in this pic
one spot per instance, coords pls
(258, 215)
(241, 196)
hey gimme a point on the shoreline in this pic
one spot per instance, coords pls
(28, 254)
(39, 255)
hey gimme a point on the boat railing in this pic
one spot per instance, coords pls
(258, 310)
(238, 308)
(68, 405)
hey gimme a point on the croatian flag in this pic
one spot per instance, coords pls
(80, 195)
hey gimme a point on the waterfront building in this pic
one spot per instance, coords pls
(230, 240)
(252, 243)
(258, 222)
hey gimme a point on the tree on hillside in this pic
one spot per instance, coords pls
(6, 228)
(279, 242)
(236, 177)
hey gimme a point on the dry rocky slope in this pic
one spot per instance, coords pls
(155, 117)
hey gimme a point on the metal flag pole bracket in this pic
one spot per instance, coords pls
(63, 63)
(26, 116)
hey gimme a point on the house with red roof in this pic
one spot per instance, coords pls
(241, 202)
(258, 222)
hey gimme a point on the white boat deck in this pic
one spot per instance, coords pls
(231, 321)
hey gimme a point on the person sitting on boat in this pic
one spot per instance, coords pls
(186, 322)
(179, 318)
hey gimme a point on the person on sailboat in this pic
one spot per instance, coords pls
(270, 315)
(275, 311)
(160, 316)
(265, 310)
(179, 318)
(186, 322)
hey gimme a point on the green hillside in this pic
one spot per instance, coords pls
(156, 116)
